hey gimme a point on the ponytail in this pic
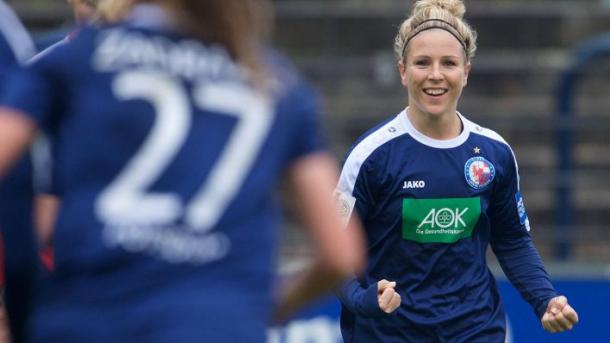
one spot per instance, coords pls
(239, 25)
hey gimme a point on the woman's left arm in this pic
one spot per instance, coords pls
(519, 258)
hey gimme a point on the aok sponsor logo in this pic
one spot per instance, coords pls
(439, 220)
(445, 218)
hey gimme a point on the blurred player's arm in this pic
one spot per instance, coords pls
(339, 252)
(376, 300)
(5, 335)
(16, 133)
(46, 208)
(379, 298)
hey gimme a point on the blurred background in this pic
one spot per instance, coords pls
(516, 87)
(541, 78)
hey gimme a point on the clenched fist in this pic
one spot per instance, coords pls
(387, 297)
(559, 315)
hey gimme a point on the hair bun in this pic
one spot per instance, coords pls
(455, 7)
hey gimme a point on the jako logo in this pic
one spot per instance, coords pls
(413, 184)
(444, 218)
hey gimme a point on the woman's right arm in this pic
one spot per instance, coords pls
(375, 301)
(339, 251)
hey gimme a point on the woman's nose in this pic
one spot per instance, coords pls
(435, 72)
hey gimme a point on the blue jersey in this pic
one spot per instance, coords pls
(16, 189)
(430, 209)
(167, 161)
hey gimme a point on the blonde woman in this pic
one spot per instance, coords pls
(433, 190)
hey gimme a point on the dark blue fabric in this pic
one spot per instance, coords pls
(362, 301)
(448, 293)
(16, 227)
(161, 280)
(20, 249)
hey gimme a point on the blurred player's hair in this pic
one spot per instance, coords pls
(111, 11)
(241, 26)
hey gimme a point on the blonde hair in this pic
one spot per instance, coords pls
(241, 26)
(442, 14)
(112, 11)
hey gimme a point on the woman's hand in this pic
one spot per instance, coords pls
(559, 315)
(387, 297)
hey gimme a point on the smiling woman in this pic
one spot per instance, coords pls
(434, 190)
(433, 49)
(434, 72)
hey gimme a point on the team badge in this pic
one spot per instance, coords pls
(345, 205)
(479, 172)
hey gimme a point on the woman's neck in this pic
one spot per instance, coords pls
(443, 127)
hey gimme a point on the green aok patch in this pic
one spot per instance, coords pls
(439, 220)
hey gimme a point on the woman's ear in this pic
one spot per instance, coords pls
(467, 68)
(402, 69)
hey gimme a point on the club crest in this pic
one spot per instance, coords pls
(479, 172)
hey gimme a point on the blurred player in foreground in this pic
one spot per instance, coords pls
(433, 190)
(174, 128)
(16, 190)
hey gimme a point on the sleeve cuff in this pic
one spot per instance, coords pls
(369, 305)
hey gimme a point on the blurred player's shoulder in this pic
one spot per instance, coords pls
(14, 34)
(284, 74)
(62, 50)
(289, 87)
(281, 67)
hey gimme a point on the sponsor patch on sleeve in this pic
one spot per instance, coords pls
(345, 206)
(521, 211)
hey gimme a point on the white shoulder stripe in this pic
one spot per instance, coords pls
(485, 132)
(47, 51)
(364, 149)
(477, 129)
(15, 34)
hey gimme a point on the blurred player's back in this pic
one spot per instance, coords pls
(167, 157)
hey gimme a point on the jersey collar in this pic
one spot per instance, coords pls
(431, 142)
(149, 16)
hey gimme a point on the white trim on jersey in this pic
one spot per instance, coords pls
(16, 35)
(431, 142)
(48, 50)
(364, 149)
(398, 126)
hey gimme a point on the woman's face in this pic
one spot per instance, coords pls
(435, 72)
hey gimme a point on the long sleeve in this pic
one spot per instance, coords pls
(513, 246)
(358, 300)
(523, 266)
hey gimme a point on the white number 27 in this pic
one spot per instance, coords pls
(127, 199)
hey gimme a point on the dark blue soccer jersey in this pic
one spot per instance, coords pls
(430, 209)
(16, 190)
(167, 163)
